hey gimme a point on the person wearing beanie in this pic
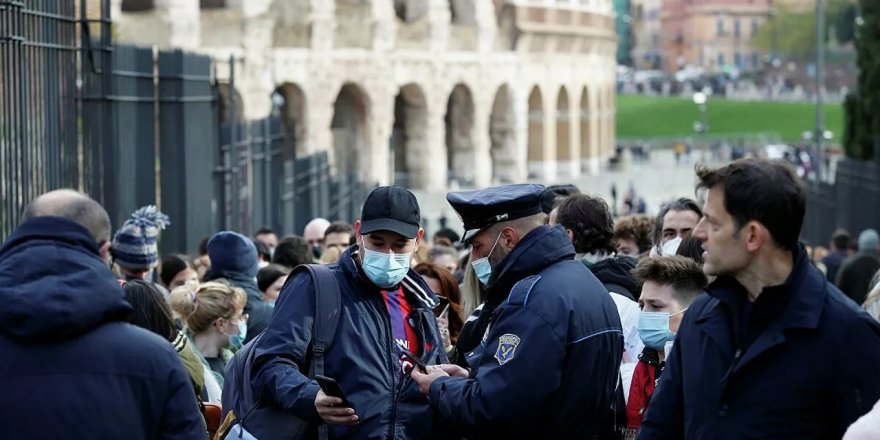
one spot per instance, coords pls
(856, 272)
(234, 258)
(134, 248)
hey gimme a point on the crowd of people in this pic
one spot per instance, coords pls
(546, 318)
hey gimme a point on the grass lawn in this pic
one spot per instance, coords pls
(656, 117)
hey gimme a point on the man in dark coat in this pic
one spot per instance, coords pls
(773, 350)
(234, 258)
(552, 342)
(854, 276)
(839, 248)
(386, 308)
(72, 367)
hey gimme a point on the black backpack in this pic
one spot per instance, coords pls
(263, 420)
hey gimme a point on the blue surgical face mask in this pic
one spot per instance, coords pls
(236, 341)
(385, 270)
(482, 267)
(271, 303)
(654, 329)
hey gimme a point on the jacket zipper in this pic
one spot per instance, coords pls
(392, 370)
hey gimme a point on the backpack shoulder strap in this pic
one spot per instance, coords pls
(328, 305)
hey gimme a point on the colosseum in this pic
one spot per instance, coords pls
(424, 93)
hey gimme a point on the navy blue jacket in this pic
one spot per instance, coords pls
(72, 368)
(548, 365)
(804, 367)
(362, 357)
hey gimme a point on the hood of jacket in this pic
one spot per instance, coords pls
(54, 284)
(616, 270)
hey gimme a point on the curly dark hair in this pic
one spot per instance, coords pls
(638, 228)
(590, 221)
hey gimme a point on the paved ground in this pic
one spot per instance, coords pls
(657, 181)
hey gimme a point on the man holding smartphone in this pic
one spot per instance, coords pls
(551, 345)
(386, 318)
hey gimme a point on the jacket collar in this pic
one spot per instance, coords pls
(539, 249)
(412, 282)
(805, 285)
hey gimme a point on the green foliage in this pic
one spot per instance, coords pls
(792, 34)
(863, 105)
(652, 117)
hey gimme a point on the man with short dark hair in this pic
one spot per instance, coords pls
(292, 251)
(72, 367)
(268, 237)
(676, 220)
(669, 286)
(839, 247)
(854, 276)
(387, 311)
(338, 237)
(551, 339)
(773, 350)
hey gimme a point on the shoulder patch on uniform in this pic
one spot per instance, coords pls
(519, 294)
(507, 344)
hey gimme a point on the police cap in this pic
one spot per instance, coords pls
(483, 208)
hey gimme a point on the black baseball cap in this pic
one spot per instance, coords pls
(391, 208)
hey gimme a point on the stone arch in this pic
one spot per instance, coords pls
(408, 141)
(463, 25)
(460, 135)
(291, 27)
(585, 141)
(293, 116)
(350, 130)
(502, 135)
(414, 29)
(563, 128)
(354, 24)
(536, 133)
(230, 103)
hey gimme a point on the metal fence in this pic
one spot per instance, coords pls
(132, 126)
(852, 202)
(38, 106)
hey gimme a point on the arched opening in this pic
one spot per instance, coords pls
(231, 106)
(502, 136)
(586, 144)
(459, 135)
(463, 28)
(354, 24)
(413, 31)
(563, 131)
(611, 110)
(350, 132)
(137, 5)
(536, 133)
(409, 137)
(293, 115)
(291, 23)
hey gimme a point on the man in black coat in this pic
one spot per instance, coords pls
(854, 276)
(773, 350)
(72, 367)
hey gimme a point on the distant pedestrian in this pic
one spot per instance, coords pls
(839, 251)
(633, 235)
(176, 270)
(134, 249)
(72, 367)
(676, 219)
(337, 237)
(270, 279)
(855, 273)
(268, 237)
(313, 233)
(448, 311)
(293, 251)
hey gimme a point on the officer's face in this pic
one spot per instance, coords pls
(483, 243)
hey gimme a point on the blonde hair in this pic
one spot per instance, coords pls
(472, 290)
(199, 309)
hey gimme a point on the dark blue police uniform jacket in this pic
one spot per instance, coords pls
(548, 365)
(802, 365)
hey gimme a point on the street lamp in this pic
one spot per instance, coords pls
(700, 99)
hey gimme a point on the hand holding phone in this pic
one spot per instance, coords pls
(331, 388)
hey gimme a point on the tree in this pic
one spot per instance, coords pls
(792, 33)
(862, 107)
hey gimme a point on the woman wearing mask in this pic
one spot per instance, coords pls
(215, 321)
(270, 280)
(669, 285)
(442, 282)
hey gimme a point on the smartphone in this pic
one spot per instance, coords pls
(331, 388)
(413, 360)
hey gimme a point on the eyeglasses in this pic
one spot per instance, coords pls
(244, 317)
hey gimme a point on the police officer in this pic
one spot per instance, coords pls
(551, 337)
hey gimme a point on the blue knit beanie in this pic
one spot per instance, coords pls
(134, 245)
(233, 256)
